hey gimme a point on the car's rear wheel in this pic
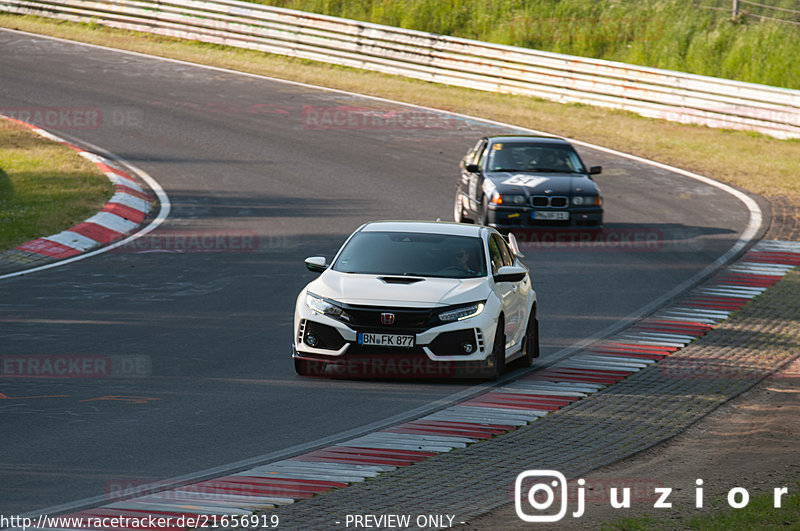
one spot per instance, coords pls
(531, 340)
(499, 351)
(485, 211)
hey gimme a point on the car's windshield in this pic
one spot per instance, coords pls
(531, 156)
(413, 254)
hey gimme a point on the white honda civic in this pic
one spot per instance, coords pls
(417, 299)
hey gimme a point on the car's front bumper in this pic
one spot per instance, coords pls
(509, 218)
(437, 351)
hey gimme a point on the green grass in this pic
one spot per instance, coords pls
(671, 34)
(45, 187)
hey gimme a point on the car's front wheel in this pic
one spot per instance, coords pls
(457, 210)
(531, 340)
(499, 351)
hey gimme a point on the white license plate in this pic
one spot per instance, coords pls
(385, 340)
(549, 215)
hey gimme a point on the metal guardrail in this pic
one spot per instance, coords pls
(646, 91)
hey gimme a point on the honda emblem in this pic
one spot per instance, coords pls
(387, 318)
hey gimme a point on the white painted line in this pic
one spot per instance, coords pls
(399, 445)
(334, 467)
(116, 178)
(778, 245)
(494, 412)
(73, 240)
(724, 293)
(764, 266)
(113, 222)
(508, 421)
(688, 317)
(713, 314)
(561, 386)
(409, 438)
(736, 287)
(613, 365)
(457, 414)
(187, 506)
(303, 475)
(91, 157)
(640, 342)
(530, 390)
(443, 439)
(130, 201)
(622, 360)
(759, 269)
(578, 362)
(666, 335)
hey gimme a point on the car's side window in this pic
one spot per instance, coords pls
(495, 254)
(482, 155)
(475, 152)
(508, 256)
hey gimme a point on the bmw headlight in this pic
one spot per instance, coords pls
(462, 312)
(514, 199)
(587, 200)
(325, 307)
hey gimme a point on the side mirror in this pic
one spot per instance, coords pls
(472, 168)
(512, 242)
(594, 170)
(510, 274)
(316, 264)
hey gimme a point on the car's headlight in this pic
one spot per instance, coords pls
(326, 307)
(462, 312)
(514, 199)
(595, 200)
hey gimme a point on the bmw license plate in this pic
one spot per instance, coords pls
(550, 216)
(385, 340)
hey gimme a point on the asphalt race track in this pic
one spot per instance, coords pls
(264, 174)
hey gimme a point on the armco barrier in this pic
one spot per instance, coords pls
(649, 92)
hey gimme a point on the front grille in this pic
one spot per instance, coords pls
(411, 319)
(548, 201)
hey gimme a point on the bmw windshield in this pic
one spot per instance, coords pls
(413, 254)
(533, 157)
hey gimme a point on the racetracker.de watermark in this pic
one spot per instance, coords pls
(345, 117)
(75, 118)
(168, 241)
(609, 239)
(74, 366)
(390, 366)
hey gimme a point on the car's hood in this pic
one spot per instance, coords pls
(534, 183)
(351, 288)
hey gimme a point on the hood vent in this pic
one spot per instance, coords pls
(400, 280)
